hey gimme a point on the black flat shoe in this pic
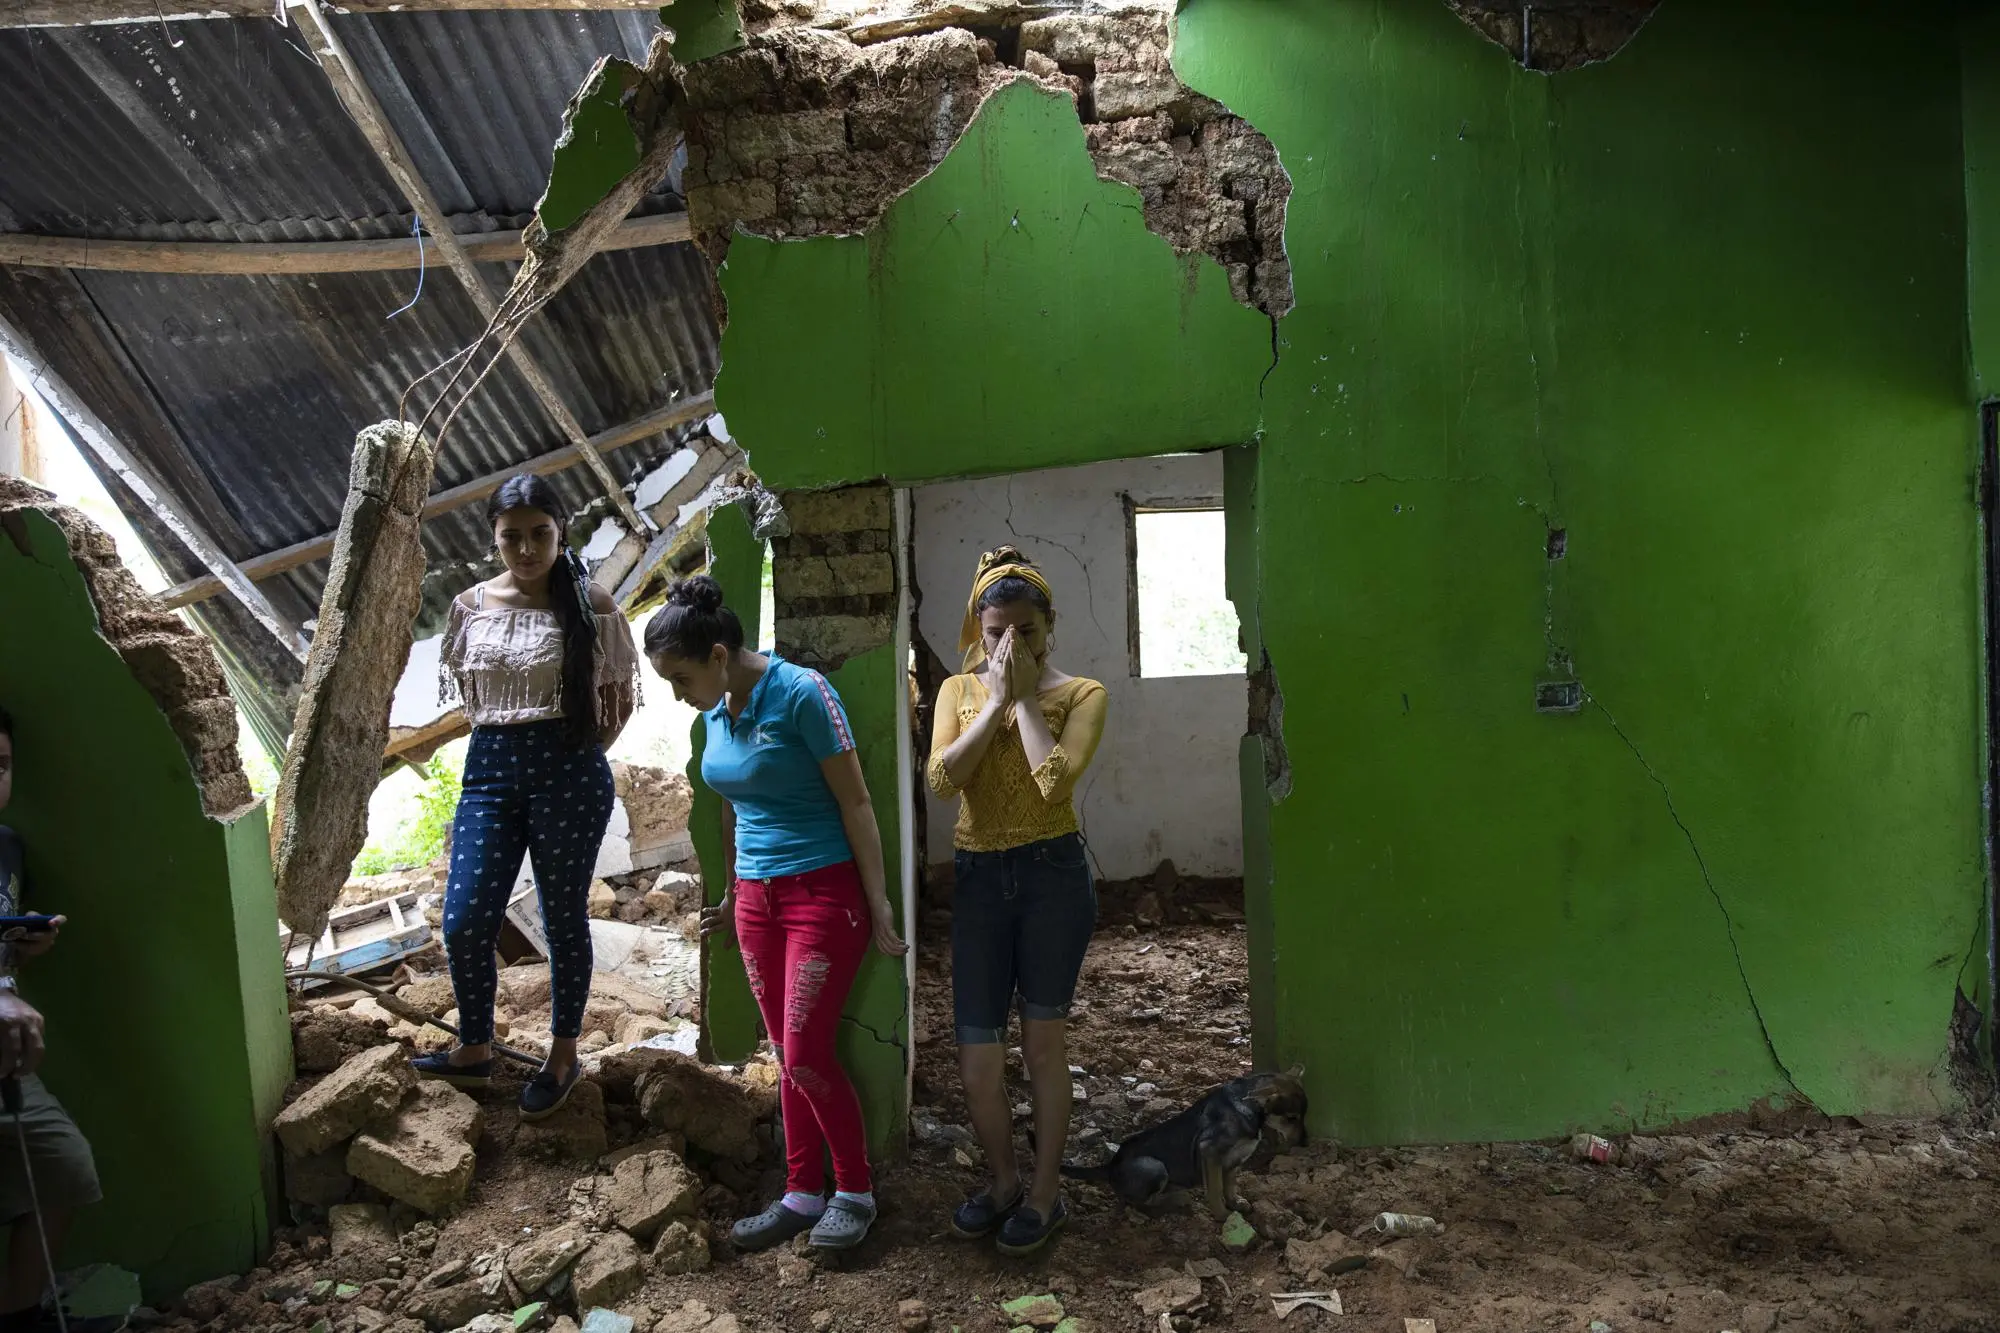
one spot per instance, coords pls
(440, 1067)
(1025, 1231)
(546, 1092)
(981, 1215)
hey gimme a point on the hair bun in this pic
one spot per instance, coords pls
(701, 592)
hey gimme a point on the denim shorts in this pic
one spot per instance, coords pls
(1021, 920)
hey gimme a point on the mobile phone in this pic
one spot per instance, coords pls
(20, 927)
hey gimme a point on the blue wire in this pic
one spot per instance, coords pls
(416, 230)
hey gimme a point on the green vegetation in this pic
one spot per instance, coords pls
(420, 839)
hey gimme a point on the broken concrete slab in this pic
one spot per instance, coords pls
(453, 1307)
(715, 1112)
(610, 1270)
(649, 1190)
(541, 1259)
(423, 1158)
(366, 1089)
(682, 1248)
(374, 590)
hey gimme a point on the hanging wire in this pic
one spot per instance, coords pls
(416, 230)
(167, 31)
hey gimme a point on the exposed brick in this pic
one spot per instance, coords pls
(845, 509)
(1086, 39)
(1139, 164)
(826, 642)
(744, 201)
(833, 576)
(1124, 94)
(757, 138)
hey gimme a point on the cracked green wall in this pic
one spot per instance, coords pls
(165, 999)
(1704, 307)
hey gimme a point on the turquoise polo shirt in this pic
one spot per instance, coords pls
(766, 765)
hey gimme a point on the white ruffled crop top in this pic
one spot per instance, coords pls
(503, 665)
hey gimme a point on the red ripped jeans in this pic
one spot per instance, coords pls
(803, 939)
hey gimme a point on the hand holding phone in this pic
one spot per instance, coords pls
(30, 936)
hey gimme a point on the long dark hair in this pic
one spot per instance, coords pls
(693, 621)
(569, 598)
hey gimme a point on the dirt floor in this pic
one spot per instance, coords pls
(1837, 1226)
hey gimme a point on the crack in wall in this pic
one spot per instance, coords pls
(1708, 880)
(1089, 584)
(894, 1041)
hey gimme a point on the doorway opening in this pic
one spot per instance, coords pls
(1135, 553)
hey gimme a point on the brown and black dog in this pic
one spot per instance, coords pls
(1204, 1145)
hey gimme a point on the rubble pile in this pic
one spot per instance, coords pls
(382, 1173)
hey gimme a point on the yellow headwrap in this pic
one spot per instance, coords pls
(1005, 563)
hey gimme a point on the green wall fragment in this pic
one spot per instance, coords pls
(165, 997)
(598, 147)
(703, 28)
(1011, 311)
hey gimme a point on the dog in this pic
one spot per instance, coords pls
(1204, 1145)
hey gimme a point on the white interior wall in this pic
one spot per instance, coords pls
(1164, 784)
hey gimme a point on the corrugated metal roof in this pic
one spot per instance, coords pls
(244, 393)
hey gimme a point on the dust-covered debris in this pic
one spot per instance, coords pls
(1769, 1225)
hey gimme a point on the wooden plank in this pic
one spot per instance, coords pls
(360, 101)
(273, 563)
(139, 480)
(77, 13)
(279, 257)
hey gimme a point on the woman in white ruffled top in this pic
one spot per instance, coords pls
(544, 667)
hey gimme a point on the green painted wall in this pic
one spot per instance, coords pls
(1704, 307)
(1011, 311)
(874, 1038)
(165, 1000)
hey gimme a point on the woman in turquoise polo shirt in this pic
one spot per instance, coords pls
(808, 896)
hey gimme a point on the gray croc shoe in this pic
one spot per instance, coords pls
(774, 1226)
(843, 1225)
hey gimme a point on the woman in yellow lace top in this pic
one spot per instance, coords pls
(1012, 736)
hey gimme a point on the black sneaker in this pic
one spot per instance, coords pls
(439, 1066)
(1024, 1231)
(774, 1226)
(981, 1215)
(546, 1092)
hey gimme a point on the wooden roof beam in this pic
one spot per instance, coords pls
(273, 563)
(298, 257)
(80, 13)
(360, 101)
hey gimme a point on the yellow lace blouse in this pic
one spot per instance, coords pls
(1007, 804)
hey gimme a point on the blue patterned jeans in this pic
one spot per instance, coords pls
(526, 791)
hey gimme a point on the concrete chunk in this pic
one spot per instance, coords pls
(649, 1189)
(610, 1270)
(374, 589)
(541, 1259)
(424, 1158)
(368, 1088)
